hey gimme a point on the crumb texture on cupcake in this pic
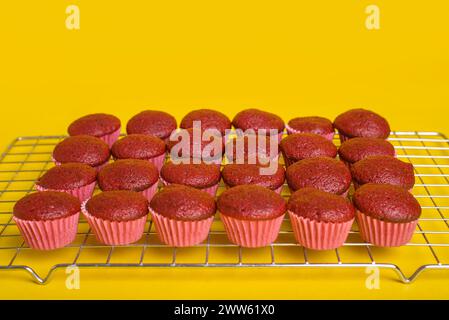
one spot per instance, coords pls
(68, 176)
(251, 202)
(152, 122)
(138, 146)
(181, 202)
(46, 205)
(257, 119)
(321, 206)
(85, 149)
(356, 149)
(313, 124)
(239, 174)
(362, 123)
(210, 119)
(199, 175)
(97, 124)
(300, 146)
(386, 202)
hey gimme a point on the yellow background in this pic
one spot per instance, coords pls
(290, 57)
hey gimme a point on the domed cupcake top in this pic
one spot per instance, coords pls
(97, 124)
(327, 174)
(239, 174)
(317, 125)
(85, 149)
(152, 122)
(200, 175)
(356, 149)
(251, 202)
(183, 203)
(362, 123)
(129, 174)
(321, 206)
(119, 205)
(210, 119)
(257, 119)
(68, 176)
(46, 205)
(383, 170)
(386, 202)
(138, 146)
(300, 146)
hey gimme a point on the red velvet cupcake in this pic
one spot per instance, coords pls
(357, 149)
(182, 215)
(77, 179)
(130, 174)
(252, 215)
(210, 119)
(200, 176)
(252, 149)
(82, 149)
(117, 217)
(100, 125)
(194, 144)
(256, 120)
(326, 174)
(153, 123)
(387, 215)
(139, 146)
(301, 146)
(240, 174)
(47, 220)
(316, 125)
(320, 220)
(361, 123)
(383, 170)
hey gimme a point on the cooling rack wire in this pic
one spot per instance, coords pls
(26, 158)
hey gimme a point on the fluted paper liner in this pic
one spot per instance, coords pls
(150, 192)
(111, 137)
(319, 235)
(49, 234)
(210, 190)
(252, 233)
(158, 161)
(180, 233)
(82, 193)
(328, 136)
(383, 233)
(115, 232)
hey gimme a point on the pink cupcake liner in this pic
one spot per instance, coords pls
(49, 234)
(252, 233)
(328, 136)
(180, 233)
(98, 168)
(82, 193)
(115, 232)
(111, 137)
(384, 234)
(158, 161)
(318, 235)
(210, 190)
(151, 191)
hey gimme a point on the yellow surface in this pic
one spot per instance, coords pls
(291, 57)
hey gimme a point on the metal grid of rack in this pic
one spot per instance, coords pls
(29, 157)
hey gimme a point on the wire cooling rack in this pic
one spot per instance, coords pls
(29, 157)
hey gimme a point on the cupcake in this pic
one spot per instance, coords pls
(316, 125)
(252, 149)
(139, 146)
(383, 170)
(82, 149)
(130, 174)
(320, 220)
(116, 217)
(210, 119)
(100, 125)
(300, 146)
(326, 174)
(252, 215)
(255, 119)
(195, 145)
(47, 220)
(357, 149)
(200, 176)
(361, 123)
(182, 215)
(240, 174)
(153, 123)
(77, 179)
(387, 215)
